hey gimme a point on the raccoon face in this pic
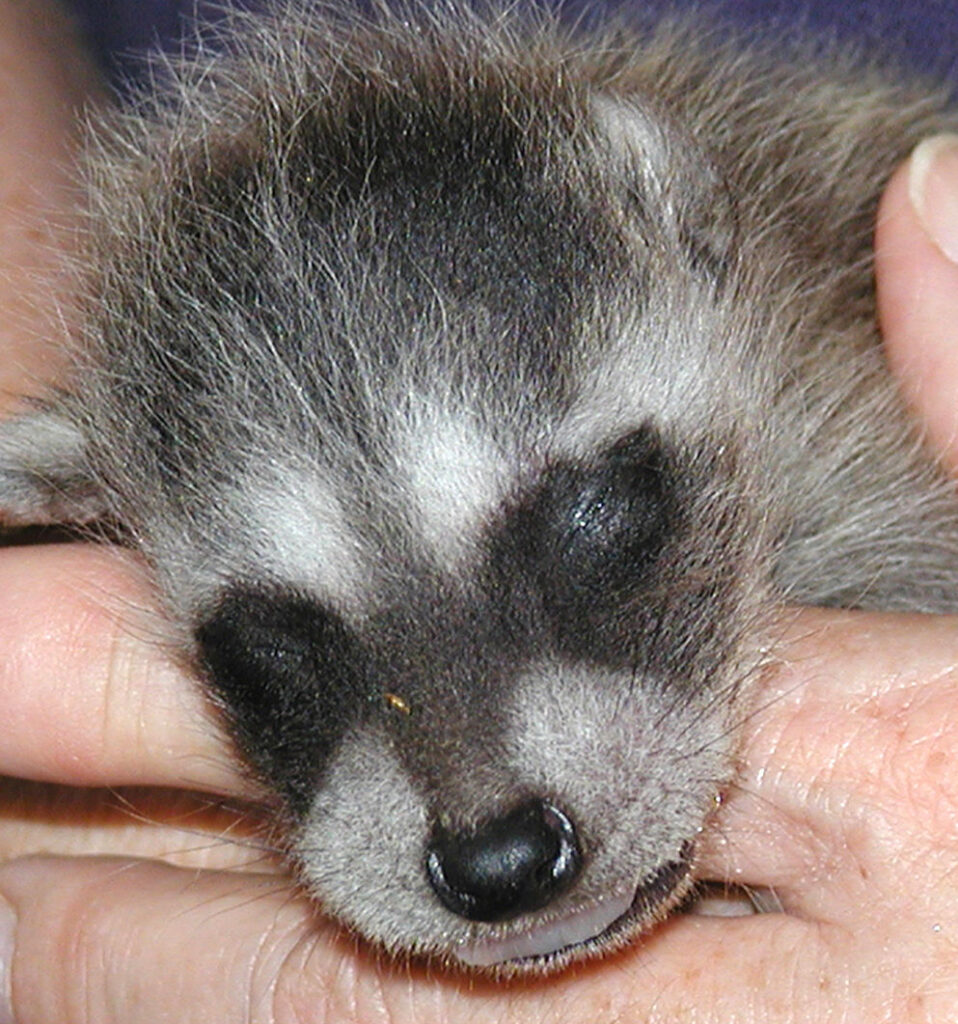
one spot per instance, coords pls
(504, 760)
(404, 394)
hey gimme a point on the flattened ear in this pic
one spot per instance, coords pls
(44, 473)
(673, 180)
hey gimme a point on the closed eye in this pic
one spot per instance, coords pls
(290, 676)
(605, 523)
(584, 552)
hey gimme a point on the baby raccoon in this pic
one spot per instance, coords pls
(476, 393)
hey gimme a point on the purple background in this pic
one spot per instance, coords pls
(922, 32)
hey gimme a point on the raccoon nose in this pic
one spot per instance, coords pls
(512, 864)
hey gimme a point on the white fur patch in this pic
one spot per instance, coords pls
(362, 848)
(455, 474)
(634, 765)
(656, 370)
(302, 533)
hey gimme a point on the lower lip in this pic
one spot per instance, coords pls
(581, 926)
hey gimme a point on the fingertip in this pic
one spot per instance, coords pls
(933, 191)
(916, 261)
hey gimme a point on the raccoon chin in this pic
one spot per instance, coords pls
(595, 927)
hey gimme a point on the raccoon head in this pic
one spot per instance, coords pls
(504, 757)
(400, 379)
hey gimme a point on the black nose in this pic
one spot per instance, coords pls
(508, 866)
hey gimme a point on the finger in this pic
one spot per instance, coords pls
(916, 258)
(106, 940)
(47, 79)
(848, 775)
(113, 941)
(180, 827)
(89, 696)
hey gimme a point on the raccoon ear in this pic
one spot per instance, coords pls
(672, 182)
(44, 473)
(639, 142)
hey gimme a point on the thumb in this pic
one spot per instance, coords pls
(916, 263)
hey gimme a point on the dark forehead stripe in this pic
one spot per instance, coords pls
(396, 209)
(450, 193)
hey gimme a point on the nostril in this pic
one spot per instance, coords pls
(512, 864)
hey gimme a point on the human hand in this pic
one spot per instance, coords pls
(845, 808)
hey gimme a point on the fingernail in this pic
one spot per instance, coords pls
(8, 927)
(933, 190)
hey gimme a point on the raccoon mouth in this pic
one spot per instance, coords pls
(587, 926)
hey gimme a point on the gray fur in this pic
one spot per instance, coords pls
(477, 395)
